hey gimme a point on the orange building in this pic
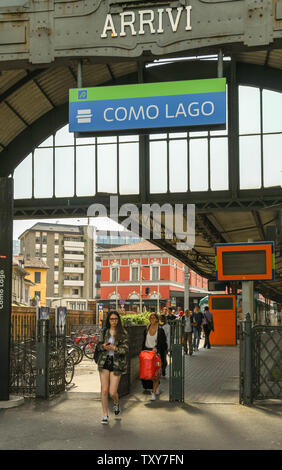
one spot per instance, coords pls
(143, 269)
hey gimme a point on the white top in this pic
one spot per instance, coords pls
(151, 341)
(188, 326)
(112, 341)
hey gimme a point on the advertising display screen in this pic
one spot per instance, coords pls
(148, 106)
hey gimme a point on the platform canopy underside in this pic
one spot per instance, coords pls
(34, 104)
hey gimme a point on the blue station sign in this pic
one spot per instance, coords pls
(148, 106)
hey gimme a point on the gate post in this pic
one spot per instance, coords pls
(176, 376)
(248, 398)
(42, 359)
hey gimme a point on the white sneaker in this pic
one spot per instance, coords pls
(158, 391)
(153, 396)
(105, 420)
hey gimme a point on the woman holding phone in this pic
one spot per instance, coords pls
(112, 361)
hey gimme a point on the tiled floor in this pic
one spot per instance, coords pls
(211, 376)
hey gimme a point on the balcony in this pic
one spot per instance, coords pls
(73, 283)
(74, 270)
(73, 248)
(73, 245)
(72, 257)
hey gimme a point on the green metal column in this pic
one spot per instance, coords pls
(6, 237)
(176, 369)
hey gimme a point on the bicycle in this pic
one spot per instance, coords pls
(90, 346)
(74, 350)
(87, 342)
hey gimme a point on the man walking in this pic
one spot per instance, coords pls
(197, 321)
(208, 326)
(188, 332)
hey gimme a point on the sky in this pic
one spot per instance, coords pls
(101, 223)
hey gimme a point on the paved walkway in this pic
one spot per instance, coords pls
(210, 418)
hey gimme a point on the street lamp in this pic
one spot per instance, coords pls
(145, 266)
(158, 302)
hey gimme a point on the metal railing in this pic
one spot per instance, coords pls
(260, 362)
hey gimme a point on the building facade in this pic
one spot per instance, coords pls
(141, 273)
(37, 273)
(20, 284)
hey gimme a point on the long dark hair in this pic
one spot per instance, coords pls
(119, 328)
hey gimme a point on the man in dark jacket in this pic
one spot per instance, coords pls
(208, 326)
(196, 322)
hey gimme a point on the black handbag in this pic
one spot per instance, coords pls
(97, 352)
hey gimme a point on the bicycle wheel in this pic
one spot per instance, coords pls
(89, 349)
(76, 353)
(69, 370)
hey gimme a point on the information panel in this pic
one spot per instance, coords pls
(244, 261)
(148, 106)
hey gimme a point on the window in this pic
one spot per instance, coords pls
(37, 294)
(37, 277)
(134, 273)
(114, 274)
(75, 292)
(155, 273)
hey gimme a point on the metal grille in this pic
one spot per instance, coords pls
(39, 366)
(22, 365)
(267, 362)
(58, 367)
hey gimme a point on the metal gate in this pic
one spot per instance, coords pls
(39, 366)
(260, 362)
(176, 366)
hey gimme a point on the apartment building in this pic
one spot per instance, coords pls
(70, 255)
(73, 259)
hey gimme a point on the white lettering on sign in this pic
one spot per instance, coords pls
(152, 111)
(2, 286)
(193, 109)
(121, 113)
(147, 18)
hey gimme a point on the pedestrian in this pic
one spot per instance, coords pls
(166, 327)
(155, 340)
(208, 326)
(171, 315)
(164, 311)
(188, 329)
(197, 321)
(112, 361)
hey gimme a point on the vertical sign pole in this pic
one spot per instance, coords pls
(186, 288)
(6, 256)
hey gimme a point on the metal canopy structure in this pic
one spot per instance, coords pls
(41, 44)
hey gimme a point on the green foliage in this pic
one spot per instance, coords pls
(135, 319)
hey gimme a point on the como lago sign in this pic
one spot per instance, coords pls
(148, 107)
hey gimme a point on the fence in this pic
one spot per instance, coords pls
(23, 320)
(260, 362)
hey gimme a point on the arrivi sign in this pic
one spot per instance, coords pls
(149, 106)
(134, 23)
